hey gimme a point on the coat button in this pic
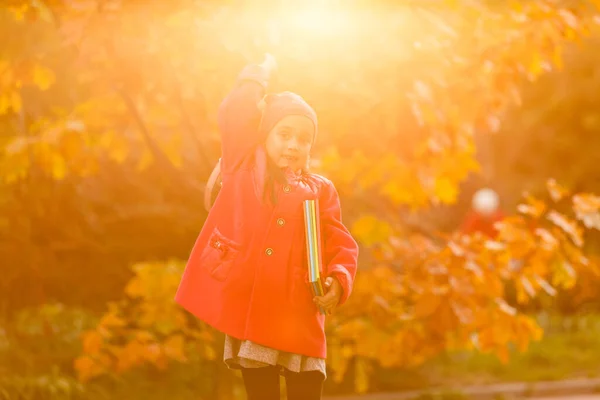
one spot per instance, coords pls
(287, 188)
(269, 251)
(280, 221)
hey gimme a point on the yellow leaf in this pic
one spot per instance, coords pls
(504, 307)
(445, 190)
(43, 77)
(493, 245)
(569, 18)
(533, 207)
(557, 192)
(525, 290)
(587, 210)
(536, 331)
(369, 230)
(568, 226)
(564, 276)
(396, 192)
(549, 242)
(536, 65)
(545, 285)
(18, 12)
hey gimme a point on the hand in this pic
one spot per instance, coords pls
(269, 63)
(333, 293)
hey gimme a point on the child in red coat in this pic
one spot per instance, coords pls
(247, 273)
(484, 214)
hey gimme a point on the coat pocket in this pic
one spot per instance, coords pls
(219, 255)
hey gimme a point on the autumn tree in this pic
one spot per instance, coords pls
(108, 109)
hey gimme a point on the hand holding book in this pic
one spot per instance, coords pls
(330, 300)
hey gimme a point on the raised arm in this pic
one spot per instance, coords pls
(340, 249)
(239, 116)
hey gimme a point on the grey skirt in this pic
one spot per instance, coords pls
(246, 354)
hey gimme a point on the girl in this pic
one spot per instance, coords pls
(247, 273)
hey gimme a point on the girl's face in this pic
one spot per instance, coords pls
(288, 143)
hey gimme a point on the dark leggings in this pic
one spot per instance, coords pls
(263, 384)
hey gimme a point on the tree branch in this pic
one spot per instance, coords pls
(158, 155)
(187, 122)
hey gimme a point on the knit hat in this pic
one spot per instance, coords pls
(281, 105)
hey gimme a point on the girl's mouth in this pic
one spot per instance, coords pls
(290, 158)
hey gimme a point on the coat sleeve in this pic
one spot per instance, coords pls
(340, 250)
(238, 116)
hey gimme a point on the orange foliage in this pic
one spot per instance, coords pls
(146, 327)
(400, 96)
(421, 299)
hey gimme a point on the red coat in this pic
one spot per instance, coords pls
(475, 222)
(247, 272)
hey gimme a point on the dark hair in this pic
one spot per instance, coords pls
(273, 175)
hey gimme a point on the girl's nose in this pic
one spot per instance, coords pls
(293, 143)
